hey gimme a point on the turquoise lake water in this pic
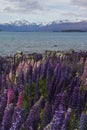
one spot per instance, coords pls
(29, 42)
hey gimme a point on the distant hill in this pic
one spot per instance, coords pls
(25, 26)
(73, 31)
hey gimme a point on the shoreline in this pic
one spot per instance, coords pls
(20, 56)
(45, 53)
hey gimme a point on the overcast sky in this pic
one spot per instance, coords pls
(42, 10)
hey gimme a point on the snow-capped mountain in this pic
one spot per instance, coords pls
(54, 26)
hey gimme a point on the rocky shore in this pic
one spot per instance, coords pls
(38, 56)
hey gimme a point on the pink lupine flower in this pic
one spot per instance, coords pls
(25, 68)
(20, 99)
(32, 62)
(10, 74)
(34, 66)
(10, 96)
(38, 63)
(81, 60)
(7, 79)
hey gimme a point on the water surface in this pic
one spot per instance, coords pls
(28, 42)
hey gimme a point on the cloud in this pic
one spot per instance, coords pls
(42, 10)
(22, 6)
(82, 3)
(72, 14)
(27, 6)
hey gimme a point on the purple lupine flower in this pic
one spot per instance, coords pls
(79, 106)
(57, 102)
(29, 75)
(34, 116)
(83, 122)
(57, 120)
(29, 78)
(44, 69)
(37, 88)
(67, 70)
(7, 118)
(49, 76)
(71, 87)
(56, 84)
(18, 118)
(59, 85)
(35, 74)
(47, 114)
(66, 120)
(3, 104)
(56, 69)
(21, 77)
(15, 94)
(3, 82)
(74, 97)
(0, 81)
(64, 100)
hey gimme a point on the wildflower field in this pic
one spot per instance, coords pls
(49, 93)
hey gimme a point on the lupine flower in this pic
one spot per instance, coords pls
(84, 75)
(20, 99)
(74, 97)
(10, 96)
(39, 68)
(35, 72)
(18, 118)
(49, 75)
(66, 120)
(29, 75)
(0, 81)
(45, 66)
(62, 73)
(79, 106)
(83, 122)
(56, 69)
(21, 77)
(7, 79)
(81, 60)
(7, 118)
(47, 114)
(34, 116)
(57, 120)
(56, 85)
(64, 100)
(3, 104)
(10, 74)
(57, 102)
(37, 88)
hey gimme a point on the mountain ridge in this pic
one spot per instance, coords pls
(25, 26)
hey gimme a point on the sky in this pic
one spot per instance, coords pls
(44, 11)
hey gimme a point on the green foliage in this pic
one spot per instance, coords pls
(13, 78)
(26, 99)
(41, 119)
(83, 88)
(71, 122)
(42, 87)
(32, 89)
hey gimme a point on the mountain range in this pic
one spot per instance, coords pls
(25, 26)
